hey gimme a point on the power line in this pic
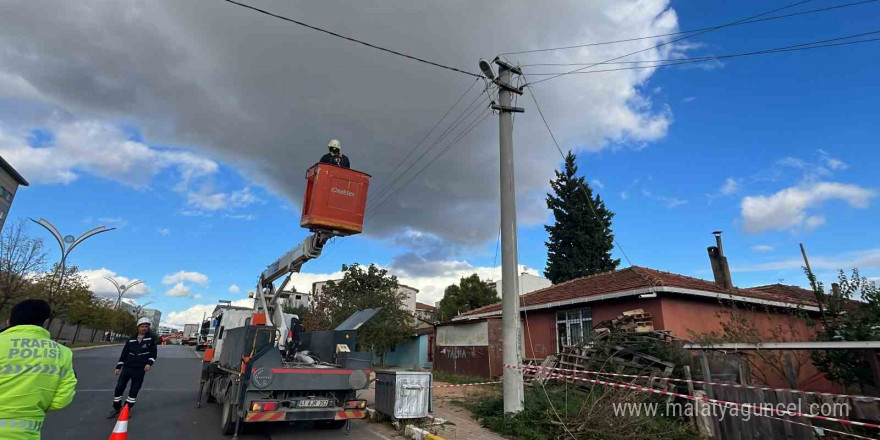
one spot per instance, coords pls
(354, 40)
(376, 206)
(675, 40)
(391, 174)
(673, 62)
(476, 122)
(603, 43)
(452, 127)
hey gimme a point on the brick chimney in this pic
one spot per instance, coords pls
(720, 269)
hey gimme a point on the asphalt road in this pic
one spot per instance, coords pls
(165, 407)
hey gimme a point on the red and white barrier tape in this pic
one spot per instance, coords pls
(467, 384)
(755, 409)
(822, 428)
(722, 384)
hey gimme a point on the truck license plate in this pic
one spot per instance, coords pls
(314, 403)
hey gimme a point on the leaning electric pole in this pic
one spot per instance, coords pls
(511, 344)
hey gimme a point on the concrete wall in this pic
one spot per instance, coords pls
(684, 316)
(67, 332)
(11, 185)
(466, 334)
(527, 283)
(472, 360)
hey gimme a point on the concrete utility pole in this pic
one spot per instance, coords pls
(511, 344)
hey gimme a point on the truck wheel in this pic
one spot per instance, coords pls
(228, 418)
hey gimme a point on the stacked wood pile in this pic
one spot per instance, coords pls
(613, 347)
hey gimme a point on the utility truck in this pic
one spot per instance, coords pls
(260, 366)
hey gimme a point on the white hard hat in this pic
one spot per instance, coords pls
(334, 144)
(144, 320)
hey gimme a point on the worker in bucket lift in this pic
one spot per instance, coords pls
(136, 360)
(335, 156)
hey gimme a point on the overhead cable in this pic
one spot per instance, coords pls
(451, 128)
(675, 62)
(690, 31)
(354, 40)
(476, 123)
(427, 135)
(657, 46)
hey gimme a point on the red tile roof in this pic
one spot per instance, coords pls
(636, 277)
(423, 306)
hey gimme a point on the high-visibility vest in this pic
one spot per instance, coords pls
(36, 375)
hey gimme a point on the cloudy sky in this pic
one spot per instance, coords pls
(188, 127)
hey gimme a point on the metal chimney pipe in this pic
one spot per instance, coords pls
(717, 235)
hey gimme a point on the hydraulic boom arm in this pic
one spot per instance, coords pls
(289, 263)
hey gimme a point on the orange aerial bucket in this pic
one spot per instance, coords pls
(336, 198)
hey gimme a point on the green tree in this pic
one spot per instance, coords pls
(60, 298)
(20, 257)
(853, 314)
(362, 289)
(470, 293)
(579, 243)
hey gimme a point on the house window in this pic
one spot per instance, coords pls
(573, 326)
(5, 194)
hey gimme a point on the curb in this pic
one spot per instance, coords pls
(420, 434)
(95, 346)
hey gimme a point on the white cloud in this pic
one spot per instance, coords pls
(762, 248)
(101, 287)
(113, 222)
(173, 71)
(194, 314)
(731, 186)
(814, 221)
(97, 148)
(787, 209)
(624, 195)
(672, 202)
(596, 183)
(192, 277)
(234, 289)
(862, 259)
(689, 99)
(207, 201)
(197, 296)
(179, 290)
(164, 232)
(247, 217)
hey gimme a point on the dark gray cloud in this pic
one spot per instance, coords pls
(265, 96)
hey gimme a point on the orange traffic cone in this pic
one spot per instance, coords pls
(120, 431)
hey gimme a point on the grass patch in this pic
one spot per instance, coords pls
(538, 421)
(441, 376)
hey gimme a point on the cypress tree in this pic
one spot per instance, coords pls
(579, 244)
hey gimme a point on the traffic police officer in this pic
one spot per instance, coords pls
(36, 373)
(138, 356)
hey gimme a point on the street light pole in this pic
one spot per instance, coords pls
(67, 242)
(122, 288)
(511, 342)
